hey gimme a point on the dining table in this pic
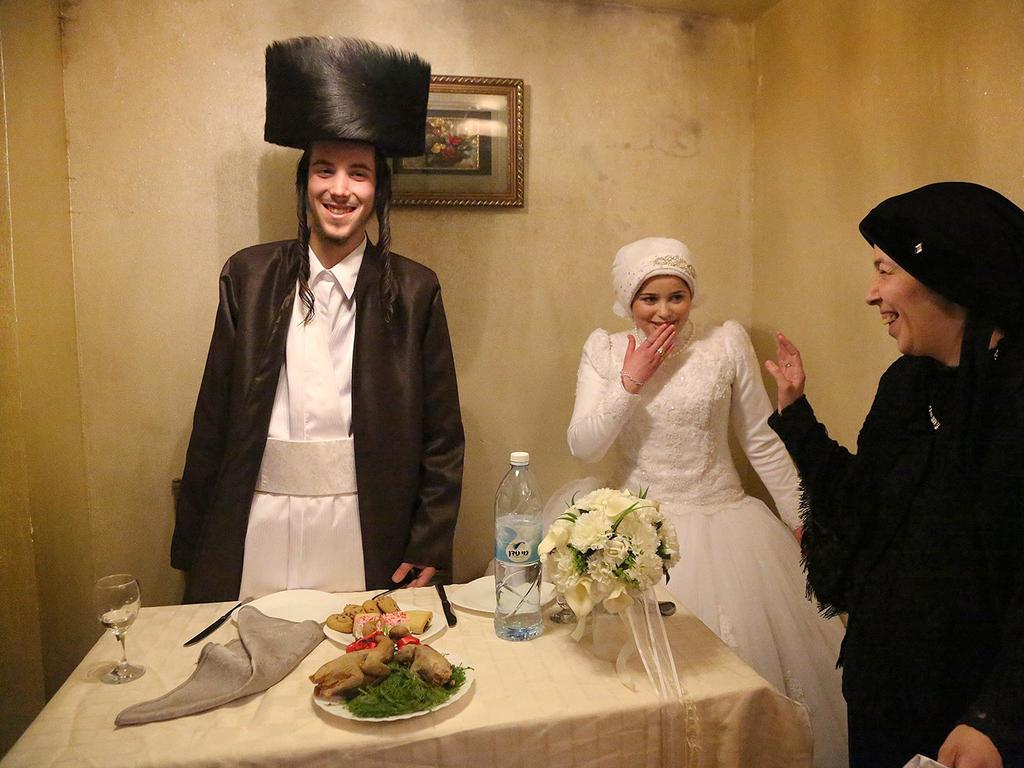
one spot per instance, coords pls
(551, 701)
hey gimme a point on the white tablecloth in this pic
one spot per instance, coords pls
(547, 702)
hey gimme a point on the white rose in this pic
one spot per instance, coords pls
(616, 549)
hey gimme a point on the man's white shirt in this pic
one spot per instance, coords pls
(297, 541)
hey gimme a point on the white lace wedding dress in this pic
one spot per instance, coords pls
(739, 570)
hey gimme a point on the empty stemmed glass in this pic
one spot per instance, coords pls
(564, 614)
(117, 604)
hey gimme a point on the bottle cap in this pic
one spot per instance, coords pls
(519, 458)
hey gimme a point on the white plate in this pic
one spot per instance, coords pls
(423, 599)
(297, 605)
(478, 595)
(338, 709)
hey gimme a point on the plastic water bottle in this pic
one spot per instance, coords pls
(518, 524)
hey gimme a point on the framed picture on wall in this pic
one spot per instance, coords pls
(473, 146)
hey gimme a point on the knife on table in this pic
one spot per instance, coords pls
(449, 614)
(216, 623)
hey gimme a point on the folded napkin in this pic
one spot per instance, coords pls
(920, 761)
(266, 651)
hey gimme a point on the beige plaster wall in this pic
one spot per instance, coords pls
(21, 662)
(638, 123)
(42, 459)
(852, 107)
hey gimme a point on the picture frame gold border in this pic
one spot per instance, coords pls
(514, 195)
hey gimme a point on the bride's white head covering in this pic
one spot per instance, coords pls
(635, 263)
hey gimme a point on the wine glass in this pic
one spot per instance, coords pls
(564, 614)
(117, 604)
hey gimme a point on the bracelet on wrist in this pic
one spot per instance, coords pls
(639, 384)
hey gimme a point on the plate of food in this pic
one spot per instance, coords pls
(356, 620)
(396, 679)
(478, 595)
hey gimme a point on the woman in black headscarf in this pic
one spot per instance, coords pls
(919, 536)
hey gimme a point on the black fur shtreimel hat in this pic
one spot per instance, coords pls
(341, 88)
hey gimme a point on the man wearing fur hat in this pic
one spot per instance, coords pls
(327, 444)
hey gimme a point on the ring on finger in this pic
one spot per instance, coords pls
(788, 365)
(660, 351)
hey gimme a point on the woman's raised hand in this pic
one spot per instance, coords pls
(788, 372)
(643, 359)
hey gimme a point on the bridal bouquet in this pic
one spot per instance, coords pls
(608, 547)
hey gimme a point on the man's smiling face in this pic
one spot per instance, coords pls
(339, 195)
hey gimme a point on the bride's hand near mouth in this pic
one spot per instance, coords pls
(788, 372)
(643, 359)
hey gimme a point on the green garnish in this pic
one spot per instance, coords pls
(402, 692)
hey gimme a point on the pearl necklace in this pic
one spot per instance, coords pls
(689, 329)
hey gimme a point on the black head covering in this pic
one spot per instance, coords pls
(965, 242)
(344, 88)
(962, 240)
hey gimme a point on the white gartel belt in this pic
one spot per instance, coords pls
(308, 468)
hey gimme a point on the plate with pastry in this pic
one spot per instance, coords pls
(390, 677)
(358, 620)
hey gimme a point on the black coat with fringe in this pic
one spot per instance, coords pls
(406, 422)
(927, 557)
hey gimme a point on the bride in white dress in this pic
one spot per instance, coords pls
(666, 394)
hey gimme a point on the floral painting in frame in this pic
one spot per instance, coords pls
(473, 146)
